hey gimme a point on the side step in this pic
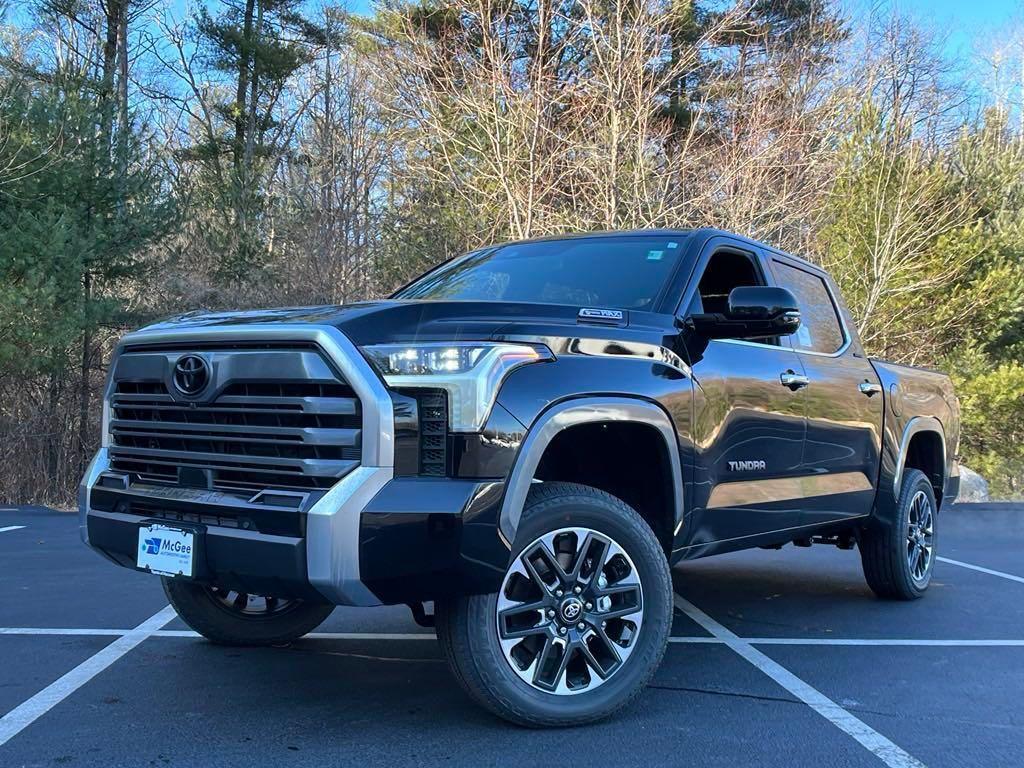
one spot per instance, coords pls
(842, 541)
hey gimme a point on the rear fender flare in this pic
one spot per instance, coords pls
(913, 427)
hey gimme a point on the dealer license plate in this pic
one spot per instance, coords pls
(167, 551)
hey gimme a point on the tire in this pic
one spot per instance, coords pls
(566, 518)
(887, 550)
(215, 614)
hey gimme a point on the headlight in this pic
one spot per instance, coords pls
(471, 372)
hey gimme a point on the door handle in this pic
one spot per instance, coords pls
(869, 389)
(794, 380)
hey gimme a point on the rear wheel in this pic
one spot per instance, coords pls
(581, 620)
(230, 617)
(898, 559)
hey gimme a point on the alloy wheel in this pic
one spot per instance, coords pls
(569, 611)
(249, 605)
(920, 536)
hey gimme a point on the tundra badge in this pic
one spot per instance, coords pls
(746, 466)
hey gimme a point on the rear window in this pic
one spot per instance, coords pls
(619, 272)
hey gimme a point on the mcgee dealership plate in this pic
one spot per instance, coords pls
(167, 551)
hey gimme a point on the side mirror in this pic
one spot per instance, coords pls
(753, 312)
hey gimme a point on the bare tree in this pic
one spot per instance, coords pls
(328, 225)
(895, 199)
(551, 118)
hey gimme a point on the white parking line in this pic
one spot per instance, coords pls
(884, 642)
(678, 639)
(868, 737)
(324, 635)
(859, 641)
(22, 716)
(62, 631)
(989, 571)
(7, 528)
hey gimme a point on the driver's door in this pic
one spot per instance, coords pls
(749, 426)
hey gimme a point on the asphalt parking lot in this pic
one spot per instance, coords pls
(779, 658)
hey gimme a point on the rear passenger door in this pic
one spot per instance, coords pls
(843, 401)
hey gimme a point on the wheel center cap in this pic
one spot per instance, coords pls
(571, 610)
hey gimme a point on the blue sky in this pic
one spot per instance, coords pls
(965, 21)
(947, 11)
(970, 29)
(985, 11)
(961, 19)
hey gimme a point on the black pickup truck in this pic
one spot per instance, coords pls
(528, 436)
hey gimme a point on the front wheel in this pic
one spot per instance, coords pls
(898, 558)
(230, 617)
(581, 620)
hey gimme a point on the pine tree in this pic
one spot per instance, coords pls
(77, 221)
(256, 46)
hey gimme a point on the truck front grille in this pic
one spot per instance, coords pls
(274, 418)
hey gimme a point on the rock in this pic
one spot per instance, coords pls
(973, 487)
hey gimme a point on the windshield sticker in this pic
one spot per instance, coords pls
(655, 255)
(673, 245)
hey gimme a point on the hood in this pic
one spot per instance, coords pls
(375, 322)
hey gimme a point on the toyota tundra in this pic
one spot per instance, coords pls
(518, 445)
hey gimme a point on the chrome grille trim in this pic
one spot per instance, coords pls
(267, 418)
(377, 449)
(332, 528)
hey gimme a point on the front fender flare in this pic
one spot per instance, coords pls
(568, 414)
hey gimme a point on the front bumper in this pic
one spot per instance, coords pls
(372, 539)
(234, 559)
(368, 521)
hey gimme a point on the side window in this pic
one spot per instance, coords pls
(820, 329)
(726, 269)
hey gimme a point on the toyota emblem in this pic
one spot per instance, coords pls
(191, 374)
(571, 610)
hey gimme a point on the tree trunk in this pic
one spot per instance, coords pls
(84, 389)
(53, 435)
(242, 90)
(122, 100)
(245, 128)
(114, 10)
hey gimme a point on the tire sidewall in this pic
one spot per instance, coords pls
(624, 526)
(203, 613)
(914, 481)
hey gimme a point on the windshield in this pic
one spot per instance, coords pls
(619, 272)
